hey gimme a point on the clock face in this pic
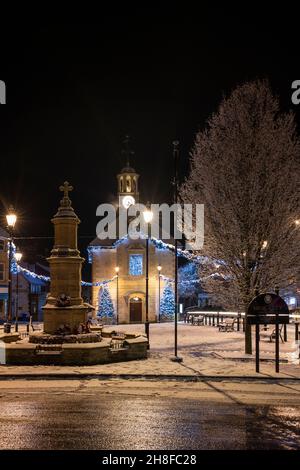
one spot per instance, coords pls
(128, 201)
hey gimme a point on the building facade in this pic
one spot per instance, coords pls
(127, 286)
(4, 241)
(29, 292)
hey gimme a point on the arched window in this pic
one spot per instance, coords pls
(128, 184)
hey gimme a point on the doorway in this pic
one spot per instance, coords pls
(135, 310)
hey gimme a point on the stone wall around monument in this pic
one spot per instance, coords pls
(25, 353)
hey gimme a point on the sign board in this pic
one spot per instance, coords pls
(268, 308)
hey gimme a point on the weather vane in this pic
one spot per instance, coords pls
(127, 151)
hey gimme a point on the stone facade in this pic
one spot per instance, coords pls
(131, 287)
(128, 289)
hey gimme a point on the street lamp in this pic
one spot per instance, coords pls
(117, 269)
(159, 270)
(11, 219)
(18, 257)
(148, 216)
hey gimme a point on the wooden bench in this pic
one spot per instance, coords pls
(227, 324)
(266, 333)
(197, 320)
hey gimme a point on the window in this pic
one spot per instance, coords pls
(135, 265)
(2, 245)
(2, 276)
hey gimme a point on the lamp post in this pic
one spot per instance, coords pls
(148, 216)
(176, 157)
(117, 269)
(159, 270)
(11, 219)
(18, 257)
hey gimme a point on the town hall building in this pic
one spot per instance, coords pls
(119, 267)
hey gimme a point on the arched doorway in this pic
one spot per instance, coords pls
(135, 310)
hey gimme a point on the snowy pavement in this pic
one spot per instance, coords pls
(206, 352)
(90, 414)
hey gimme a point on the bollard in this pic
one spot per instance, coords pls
(7, 328)
(296, 331)
(285, 333)
(213, 319)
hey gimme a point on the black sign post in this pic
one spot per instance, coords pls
(257, 348)
(277, 346)
(267, 309)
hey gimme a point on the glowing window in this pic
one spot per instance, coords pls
(135, 265)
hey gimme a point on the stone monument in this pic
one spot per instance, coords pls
(67, 338)
(65, 310)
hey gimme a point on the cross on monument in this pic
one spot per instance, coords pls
(66, 188)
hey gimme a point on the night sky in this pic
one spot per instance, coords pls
(75, 90)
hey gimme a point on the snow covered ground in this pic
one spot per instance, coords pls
(205, 352)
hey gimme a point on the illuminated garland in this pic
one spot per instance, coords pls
(98, 284)
(160, 245)
(195, 281)
(16, 268)
(169, 279)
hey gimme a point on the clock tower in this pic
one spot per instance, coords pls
(128, 179)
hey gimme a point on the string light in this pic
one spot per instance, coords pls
(159, 244)
(16, 268)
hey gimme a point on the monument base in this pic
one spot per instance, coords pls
(24, 352)
(44, 338)
(70, 317)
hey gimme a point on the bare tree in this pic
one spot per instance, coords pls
(245, 168)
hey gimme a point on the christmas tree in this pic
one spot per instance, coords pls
(105, 305)
(167, 304)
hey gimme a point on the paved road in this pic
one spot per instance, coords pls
(120, 415)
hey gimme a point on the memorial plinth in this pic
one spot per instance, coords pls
(65, 311)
